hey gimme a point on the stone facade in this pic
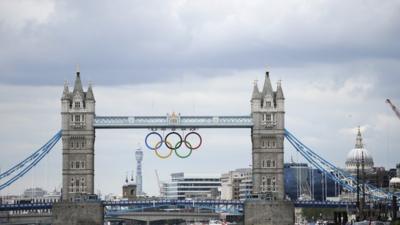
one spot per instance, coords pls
(78, 136)
(129, 191)
(268, 113)
(261, 212)
(78, 213)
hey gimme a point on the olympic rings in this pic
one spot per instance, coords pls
(173, 146)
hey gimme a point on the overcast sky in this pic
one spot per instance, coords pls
(338, 62)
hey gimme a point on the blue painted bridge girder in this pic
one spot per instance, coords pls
(172, 122)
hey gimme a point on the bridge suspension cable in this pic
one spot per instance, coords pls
(333, 172)
(27, 164)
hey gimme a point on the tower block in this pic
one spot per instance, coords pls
(78, 136)
(267, 135)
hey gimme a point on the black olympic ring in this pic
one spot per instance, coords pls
(177, 145)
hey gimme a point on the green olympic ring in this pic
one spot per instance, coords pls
(184, 156)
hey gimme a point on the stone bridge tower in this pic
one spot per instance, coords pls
(268, 113)
(78, 135)
(267, 136)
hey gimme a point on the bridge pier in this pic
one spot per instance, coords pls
(263, 212)
(78, 213)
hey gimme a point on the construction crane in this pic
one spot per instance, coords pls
(395, 110)
(158, 182)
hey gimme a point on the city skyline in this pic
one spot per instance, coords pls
(332, 83)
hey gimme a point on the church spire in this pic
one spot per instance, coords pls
(359, 143)
(267, 89)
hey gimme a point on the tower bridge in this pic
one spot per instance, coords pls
(267, 127)
(79, 123)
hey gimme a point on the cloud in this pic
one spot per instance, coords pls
(337, 62)
(17, 15)
(154, 41)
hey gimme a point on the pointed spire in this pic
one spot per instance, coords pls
(78, 84)
(89, 93)
(256, 93)
(267, 89)
(279, 91)
(65, 94)
(359, 143)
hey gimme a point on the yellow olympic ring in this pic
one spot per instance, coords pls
(163, 156)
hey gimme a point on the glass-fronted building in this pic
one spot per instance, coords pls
(192, 186)
(304, 183)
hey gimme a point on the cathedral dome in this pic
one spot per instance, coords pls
(358, 155)
(395, 180)
(394, 184)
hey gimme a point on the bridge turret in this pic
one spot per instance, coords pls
(65, 99)
(255, 98)
(280, 107)
(78, 112)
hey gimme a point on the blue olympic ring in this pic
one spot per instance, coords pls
(158, 145)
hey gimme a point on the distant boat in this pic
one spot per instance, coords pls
(215, 222)
(365, 222)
